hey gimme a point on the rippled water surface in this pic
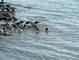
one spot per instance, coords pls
(60, 43)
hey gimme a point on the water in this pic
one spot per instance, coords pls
(60, 43)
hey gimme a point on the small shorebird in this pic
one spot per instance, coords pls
(1, 31)
(15, 18)
(20, 30)
(36, 22)
(8, 6)
(21, 21)
(5, 29)
(36, 27)
(6, 34)
(47, 29)
(26, 24)
(14, 25)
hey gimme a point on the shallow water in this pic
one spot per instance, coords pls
(60, 43)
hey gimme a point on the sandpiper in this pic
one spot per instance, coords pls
(1, 31)
(36, 22)
(26, 24)
(14, 18)
(47, 29)
(20, 30)
(36, 27)
(8, 6)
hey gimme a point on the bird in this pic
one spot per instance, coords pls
(21, 22)
(14, 18)
(9, 9)
(13, 9)
(26, 24)
(6, 34)
(5, 29)
(36, 22)
(20, 30)
(18, 23)
(1, 31)
(36, 27)
(47, 29)
(8, 6)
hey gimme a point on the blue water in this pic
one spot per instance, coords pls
(60, 43)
